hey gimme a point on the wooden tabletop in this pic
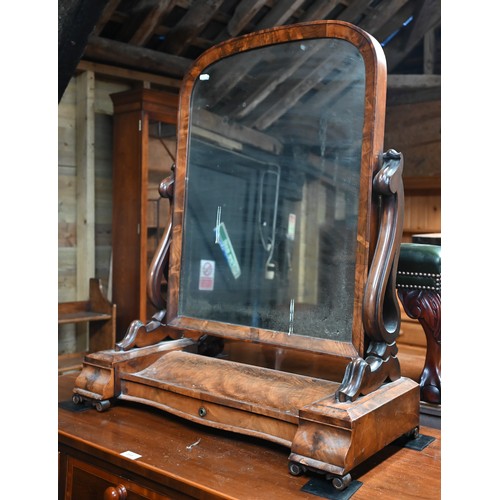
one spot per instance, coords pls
(209, 463)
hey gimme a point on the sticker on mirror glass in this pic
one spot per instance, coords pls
(207, 275)
(228, 250)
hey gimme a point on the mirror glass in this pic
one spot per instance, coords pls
(272, 183)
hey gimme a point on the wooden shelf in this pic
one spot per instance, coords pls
(99, 313)
(83, 316)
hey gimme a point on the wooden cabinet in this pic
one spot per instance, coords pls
(144, 130)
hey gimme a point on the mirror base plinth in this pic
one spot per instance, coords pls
(296, 411)
(335, 437)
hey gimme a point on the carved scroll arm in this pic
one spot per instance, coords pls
(159, 264)
(139, 334)
(381, 314)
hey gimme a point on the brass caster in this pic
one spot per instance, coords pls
(414, 433)
(101, 406)
(77, 399)
(296, 469)
(340, 483)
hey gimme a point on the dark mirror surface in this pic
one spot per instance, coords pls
(271, 211)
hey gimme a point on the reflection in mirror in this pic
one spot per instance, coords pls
(271, 209)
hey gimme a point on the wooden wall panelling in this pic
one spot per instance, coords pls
(103, 103)
(88, 123)
(422, 215)
(415, 130)
(413, 126)
(67, 211)
(67, 177)
(96, 152)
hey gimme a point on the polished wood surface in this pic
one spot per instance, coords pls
(180, 459)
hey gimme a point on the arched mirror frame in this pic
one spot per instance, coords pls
(371, 160)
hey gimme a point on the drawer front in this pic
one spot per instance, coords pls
(87, 482)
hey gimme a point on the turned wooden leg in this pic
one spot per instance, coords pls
(425, 306)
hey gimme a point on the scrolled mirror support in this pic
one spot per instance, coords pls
(381, 314)
(160, 259)
(139, 334)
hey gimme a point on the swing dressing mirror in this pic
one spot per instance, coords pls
(285, 231)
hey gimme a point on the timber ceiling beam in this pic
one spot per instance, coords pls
(237, 132)
(320, 9)
(269, 85)
(244, 13)
(377, 17)
(106, 15)
(280, 13)
(151, 22)
(163, 37)
(409, 82)
(426, 19)
(287, 100)
(188, 28)
(124, 54)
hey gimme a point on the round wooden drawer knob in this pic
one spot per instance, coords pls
(118, 492)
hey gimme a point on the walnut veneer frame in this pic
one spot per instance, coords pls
(330, 426)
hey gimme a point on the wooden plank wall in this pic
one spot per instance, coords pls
(72, 339)
(415, 130)
(80, 106)
(68, 185)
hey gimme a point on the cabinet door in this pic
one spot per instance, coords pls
(87, 482)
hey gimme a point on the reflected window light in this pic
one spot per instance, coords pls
(204, 76)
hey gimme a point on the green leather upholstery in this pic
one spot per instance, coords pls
(419, 267)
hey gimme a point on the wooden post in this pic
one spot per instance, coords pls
(429, 51)
(85, 182)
